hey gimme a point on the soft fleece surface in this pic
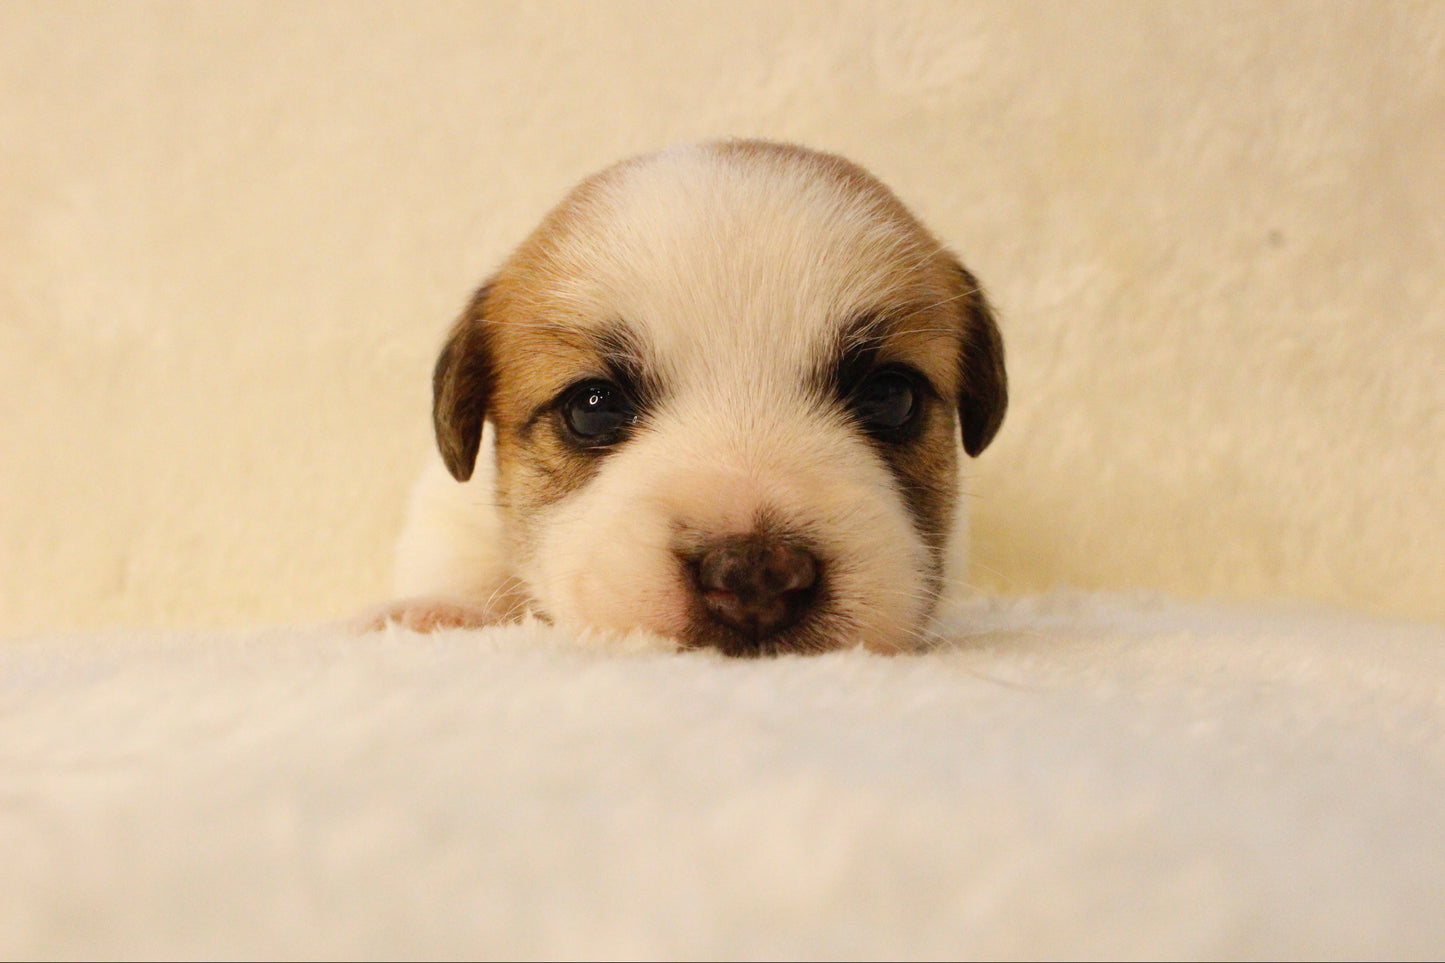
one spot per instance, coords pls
(1074, 776)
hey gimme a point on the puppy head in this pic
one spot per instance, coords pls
(728, 384)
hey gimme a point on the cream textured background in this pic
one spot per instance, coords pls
(232, 234)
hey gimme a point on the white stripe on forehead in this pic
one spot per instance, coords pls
(718, 256)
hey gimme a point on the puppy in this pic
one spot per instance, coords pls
(718, 394)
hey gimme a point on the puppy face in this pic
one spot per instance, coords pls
(728, 383)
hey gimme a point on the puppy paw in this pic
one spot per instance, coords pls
(432, 615)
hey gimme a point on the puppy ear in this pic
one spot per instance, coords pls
(461, 384)
(983, 395)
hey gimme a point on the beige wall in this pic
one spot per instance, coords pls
(231, 235)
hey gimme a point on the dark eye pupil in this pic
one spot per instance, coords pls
(885, 402)
(597, 412)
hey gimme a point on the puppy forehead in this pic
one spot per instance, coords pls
(725, 250)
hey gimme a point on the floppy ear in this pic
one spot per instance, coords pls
(461, 384)
(983, 395)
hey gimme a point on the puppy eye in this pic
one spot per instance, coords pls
(887, 402)
(597, 413)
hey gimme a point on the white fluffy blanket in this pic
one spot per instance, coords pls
(1078, 776)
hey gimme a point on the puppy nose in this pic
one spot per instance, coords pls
(755, 584)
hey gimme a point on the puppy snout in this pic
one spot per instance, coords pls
(756, 585)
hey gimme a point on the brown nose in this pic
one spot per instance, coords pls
(755, 584)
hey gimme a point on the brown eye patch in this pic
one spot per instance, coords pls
(877, 374)
(612, 389)
(567, 395)
(876, 369)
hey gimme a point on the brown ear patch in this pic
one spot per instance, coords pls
(461, 389)
(983, 382)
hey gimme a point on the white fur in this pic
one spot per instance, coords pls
(453, 546)
(738, 281)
